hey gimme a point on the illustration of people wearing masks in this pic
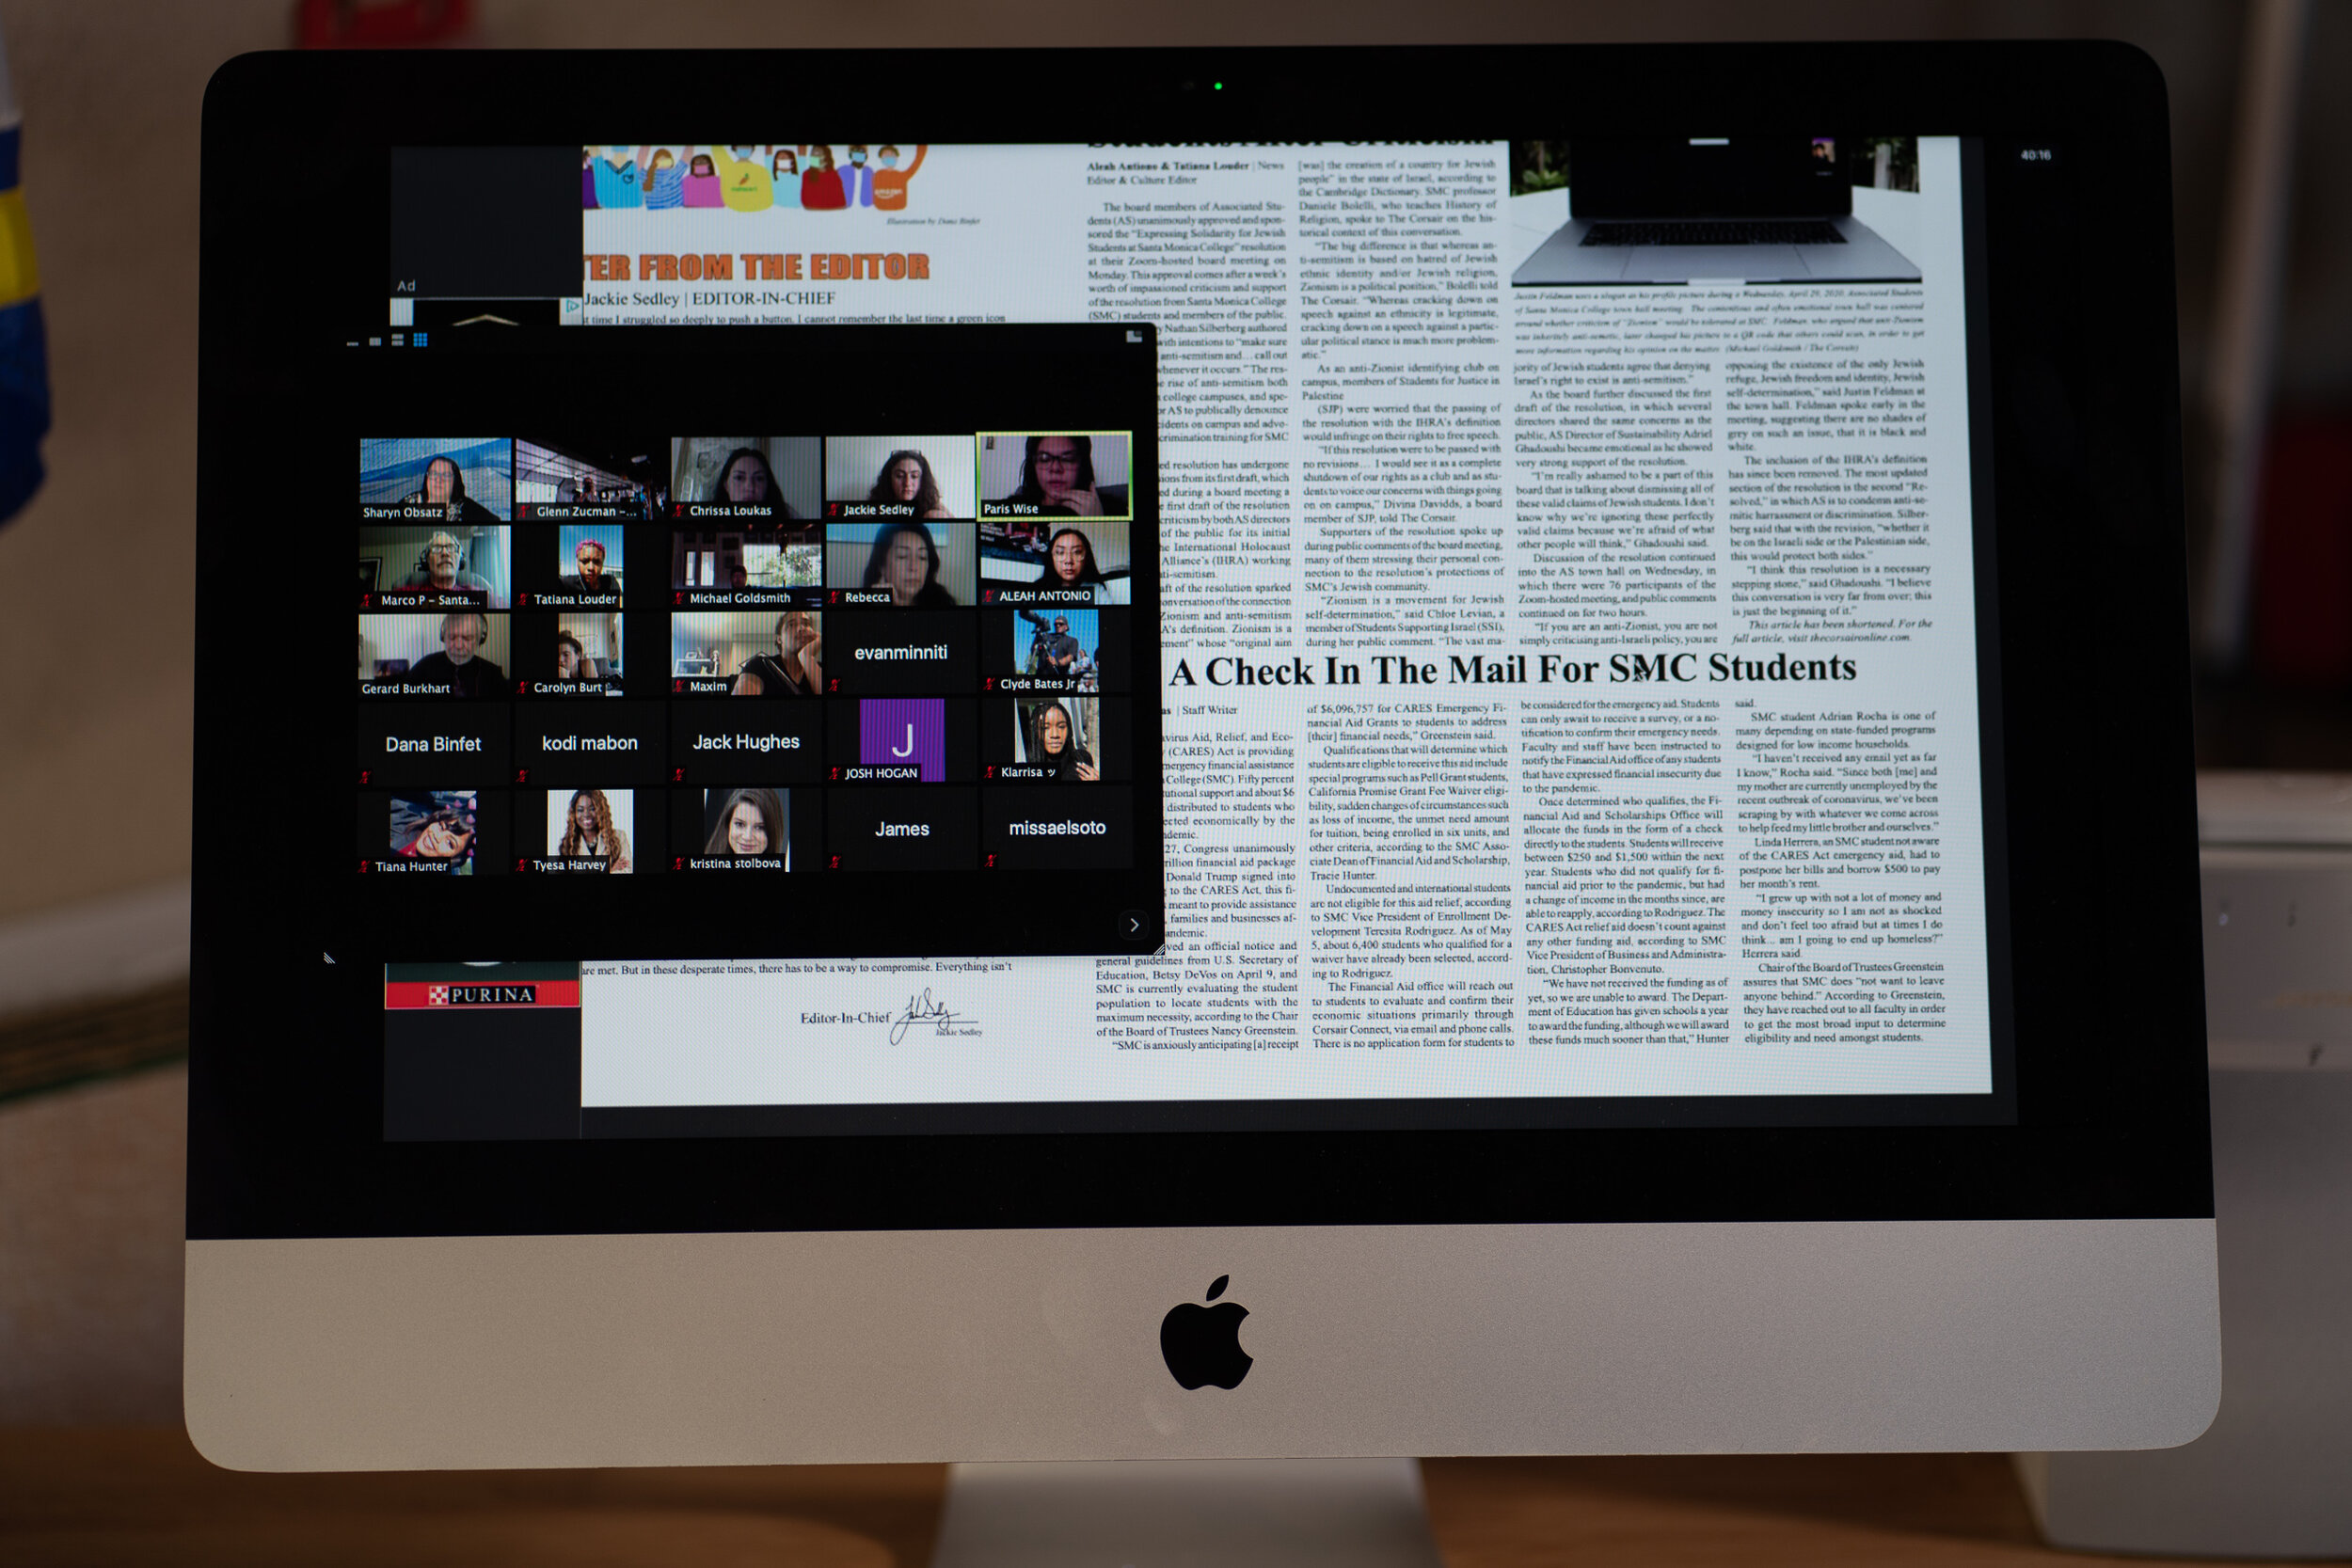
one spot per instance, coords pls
(744, 182)
(702, 182)
(821, 183)
(783, 173)
(857, 180)
(665, 181)
(616, 180)
(890, 180)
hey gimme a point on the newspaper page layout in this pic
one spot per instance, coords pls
(1570, 690)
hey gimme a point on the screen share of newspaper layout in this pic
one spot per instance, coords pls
(1569, 658)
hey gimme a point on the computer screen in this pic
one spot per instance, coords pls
(1445, 665)
(1542, 669)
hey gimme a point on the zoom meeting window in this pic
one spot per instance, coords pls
(933, 668)
(1572, 694)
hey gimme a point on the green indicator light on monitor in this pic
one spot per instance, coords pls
(1217, 86)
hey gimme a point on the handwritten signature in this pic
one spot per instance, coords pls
(922, 1009)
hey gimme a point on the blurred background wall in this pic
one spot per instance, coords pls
(95, 605)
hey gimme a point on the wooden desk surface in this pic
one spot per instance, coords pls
(141, 1496)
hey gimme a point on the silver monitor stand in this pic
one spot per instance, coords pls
(1186, 1514)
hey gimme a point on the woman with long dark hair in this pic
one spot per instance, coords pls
(589, 833)
(751, 822)
(1057, 750)
(906, 481)
(1070, 564)
(1057, 478)
(906, 561)
(446, 835)
(746, 479)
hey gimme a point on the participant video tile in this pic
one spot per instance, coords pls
(448, 479)
(877, 652)
(1052, 648)
(908, 564)
(434, 744)
(589, 830)
(435, 566)
(746, 828)
(431, 831)
(436, 828)
(587, 655)
(747, 652)
(457, 653)
(1057, 474)
(563, 480)
(766, 743)
(1074, 738)
(736, 566)
(927, 478)
(560, 744)
(581, 566)
(1058, 829)
(1044, 561)
(901, 830)
(749, 478)
(902, 741)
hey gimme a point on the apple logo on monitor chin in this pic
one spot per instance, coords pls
(1203, 1344)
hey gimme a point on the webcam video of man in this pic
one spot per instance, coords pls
(1057, 647)
(577, 481)
(753, 654)
(736, 566)
(465, 480)
(445, 567)
(461, 652)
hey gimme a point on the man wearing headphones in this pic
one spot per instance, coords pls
(437, 570)
(457, 666)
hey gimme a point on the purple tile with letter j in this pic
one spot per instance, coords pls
(904, 732)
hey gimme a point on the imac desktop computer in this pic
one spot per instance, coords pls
(1099, 785)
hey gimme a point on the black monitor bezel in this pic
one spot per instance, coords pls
(2080, 401)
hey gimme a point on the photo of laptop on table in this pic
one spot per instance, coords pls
(1760, 209)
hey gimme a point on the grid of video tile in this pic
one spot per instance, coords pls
(553, 634)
